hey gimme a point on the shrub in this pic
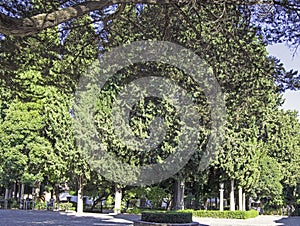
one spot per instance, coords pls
(223, 214)
(12, 204)
(272, 211)
(167, 217)
(65, 206)
(40, 205)
(134, 210)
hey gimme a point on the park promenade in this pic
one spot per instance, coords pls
(53, 218)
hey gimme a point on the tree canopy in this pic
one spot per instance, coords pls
(277, 21)
(46, 48)
(28, 17)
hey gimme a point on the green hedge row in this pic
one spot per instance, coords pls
(223, 214)
(167, 217)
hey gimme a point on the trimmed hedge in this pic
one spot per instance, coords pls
(167, 217)
(223, 214)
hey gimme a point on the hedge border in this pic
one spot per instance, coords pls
(223, 214)
(167, 217)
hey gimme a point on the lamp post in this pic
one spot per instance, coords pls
(221, 196)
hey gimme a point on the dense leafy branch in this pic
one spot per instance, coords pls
(31, 24)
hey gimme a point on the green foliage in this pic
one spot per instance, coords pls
(154, 194)
(269, 187)
(167, 217)
(98, 188)
(38, 141)
(272, 211)
(66, 206)
(282, 143)
(39, 74)
(23, 149)
(223, 214)
(134, 210)
(109, 202)
(13, 204)
(40, 205)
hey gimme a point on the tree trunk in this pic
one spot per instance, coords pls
(197, 197)
(250, 200)
(232, 204)
(205, 200)
(57, 197)
(6, 197)
(15, 191)
(21, 195)
(216, 202)
(37, 190)
(95, 202)
(80, 196)
(118, 199)
(179, 194)
(244, 201)
(240, 198)
(42, 190)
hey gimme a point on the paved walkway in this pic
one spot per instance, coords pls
(54, 218)
(50, 218)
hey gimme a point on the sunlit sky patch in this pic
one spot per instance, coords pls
(290, 60)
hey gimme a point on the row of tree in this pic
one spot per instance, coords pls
(40, 73)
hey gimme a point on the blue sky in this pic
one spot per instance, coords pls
(282, 52)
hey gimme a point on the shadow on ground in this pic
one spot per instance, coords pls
(32, 218)
(289, 221)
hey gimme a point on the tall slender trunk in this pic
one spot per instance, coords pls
(179, 187)
(36, 190)
(232, 203)
(244, 201)
(80, 195)
(21, 195)
(240, 198)
(57, 197)
(15, 191)
(197, 196)
(118, 199)
(6, 198)
(250, 201)
(42, 190)
(216, 202)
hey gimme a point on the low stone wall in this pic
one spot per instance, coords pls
(144, 223)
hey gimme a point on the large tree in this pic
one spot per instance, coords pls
(239, 62)
(224, 38)
(41, 73)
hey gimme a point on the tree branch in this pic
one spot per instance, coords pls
(26, 26)
(34, 24)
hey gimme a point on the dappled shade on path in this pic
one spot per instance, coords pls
(26, 218)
